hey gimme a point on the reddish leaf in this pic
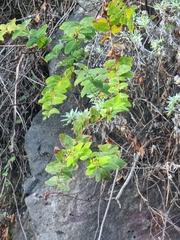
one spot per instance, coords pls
(142, 151)
(56, 149)
(136, 144)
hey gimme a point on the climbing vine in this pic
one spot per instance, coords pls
(106, 85)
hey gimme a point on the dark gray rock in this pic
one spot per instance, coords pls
(78, 214)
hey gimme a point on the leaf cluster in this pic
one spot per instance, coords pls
(116, 15)
(99, 164)
(35, 37)
(108, 83)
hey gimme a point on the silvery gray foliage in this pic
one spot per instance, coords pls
(176, 121)
(104, 127)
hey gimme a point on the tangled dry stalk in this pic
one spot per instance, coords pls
(147, 130)
(22, 76)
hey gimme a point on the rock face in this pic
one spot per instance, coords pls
(78, 213)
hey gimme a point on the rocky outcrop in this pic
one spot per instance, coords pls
(78, 213)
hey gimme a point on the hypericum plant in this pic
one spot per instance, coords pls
(105, 81)
(35, 37)
(99, 164)
(106, 86)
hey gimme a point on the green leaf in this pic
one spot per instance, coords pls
(70, 161)
(5, 174)
(88, 33)
(130, 25)
(90, 170)
(53, 181)
(81, 123)
(125, 61)
(82, 66)
(64, 177)
(85, 154)
(82, 75)
(98, 175)
(108, 64)
(41, 32)
(114, 11)
(111, 166)
(119, 103)
(50, 56)
(108, 148)
(91, 80)
(60, 155)
(20, 33)
(129, 12)
(2, 33)
(54, 167)
(97, 84)
(85, 151)
(68, 72)
(123, 86)
(89, 88)
(78, 54)
(25, 23)
(87, 21)
(123, 20)
(123, 69)
(71, 46)
(54, 111)
(41, 41)
(18, 121)
(63, 187)
(12, 159)
(120, 162)
(54, 92)
(103, 160)
(126, 75)
(112, 8)
(33, 33)
(24, 97)
(66, 141)
(68, 26)
(116, 29)
(58, 98)
(53, 79)
(56, 50)
(11, 26)
(105, 174)
(101, 25)
(66, 62)
(3, 27)
(31, 42)
(95, 115)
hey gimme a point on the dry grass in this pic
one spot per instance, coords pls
(22, 75)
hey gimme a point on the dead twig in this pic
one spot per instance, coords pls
(136, 159)
(108, 205)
